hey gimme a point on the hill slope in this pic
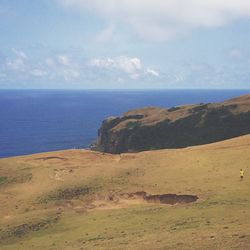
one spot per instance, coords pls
(79, 199)
(157, 128)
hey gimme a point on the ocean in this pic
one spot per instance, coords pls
(33, 121)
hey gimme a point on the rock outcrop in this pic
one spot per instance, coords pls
(177, 127)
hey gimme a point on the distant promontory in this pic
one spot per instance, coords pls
(153, 128)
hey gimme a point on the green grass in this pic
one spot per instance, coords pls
(3, 180)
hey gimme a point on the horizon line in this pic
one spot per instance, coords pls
(111, 89)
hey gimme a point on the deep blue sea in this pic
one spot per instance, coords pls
(33, 121)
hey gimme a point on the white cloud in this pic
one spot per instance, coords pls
(128, 65)
(63, 67)
(102, 63)
(164, 19)
(179, 78)
(53, 68)
(63, 59)
(18, 63)
(19, 53)
(123, 63)
(121, 71)
(123, 67)
(153, 72)
(70, 74)
(15, 64)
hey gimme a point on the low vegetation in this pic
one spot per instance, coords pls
(3, 180)
(189, 198)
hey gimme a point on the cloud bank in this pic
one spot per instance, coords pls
(68, 71)
(163, 19)
(125, 66)
(65, 68)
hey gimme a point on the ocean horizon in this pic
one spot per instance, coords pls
(35, 121)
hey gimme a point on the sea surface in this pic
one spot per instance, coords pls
(33, 121)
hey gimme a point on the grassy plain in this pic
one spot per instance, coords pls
(72, 199)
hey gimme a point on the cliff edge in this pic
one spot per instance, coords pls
(153, 128)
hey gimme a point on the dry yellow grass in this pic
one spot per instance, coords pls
(60, 200)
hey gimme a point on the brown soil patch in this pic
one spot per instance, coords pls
(141, 196)
(112, 200)
(171, 199)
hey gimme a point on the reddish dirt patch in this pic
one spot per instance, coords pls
(170, 199)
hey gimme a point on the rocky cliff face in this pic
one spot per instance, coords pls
(157, 128)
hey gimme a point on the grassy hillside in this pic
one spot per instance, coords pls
(80, 199)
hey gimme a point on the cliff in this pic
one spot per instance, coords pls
(153, 128)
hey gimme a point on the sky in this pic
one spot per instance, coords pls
(125, 44)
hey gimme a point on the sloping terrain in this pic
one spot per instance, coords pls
(189, 198)
(177, 127)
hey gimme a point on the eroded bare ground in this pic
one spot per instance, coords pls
(168, 199)
(171, 199)
(142, 197)
(82, 199)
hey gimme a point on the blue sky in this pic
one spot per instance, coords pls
(118, 44)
